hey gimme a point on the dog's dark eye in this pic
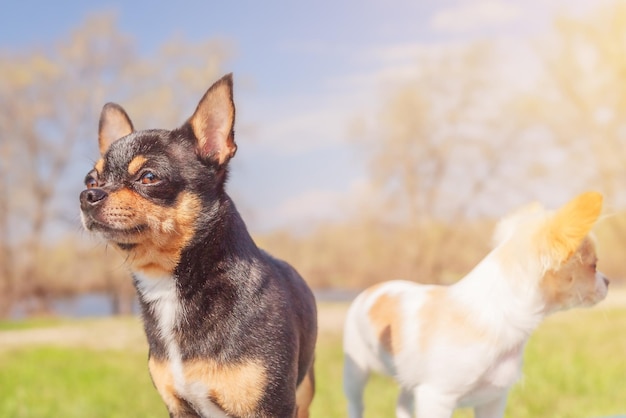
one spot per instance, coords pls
(148, 178)
(91, 182)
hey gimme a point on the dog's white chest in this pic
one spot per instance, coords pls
(497, 380)
(508, 368)
(162, 294)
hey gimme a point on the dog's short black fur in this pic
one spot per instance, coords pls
(231, 329)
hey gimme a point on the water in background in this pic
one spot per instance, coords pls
(99, 304)
(87, 305)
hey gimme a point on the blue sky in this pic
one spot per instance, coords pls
(303, 72)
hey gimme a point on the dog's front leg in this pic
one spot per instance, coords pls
(493, 409)
(405, 403)
(433, 403)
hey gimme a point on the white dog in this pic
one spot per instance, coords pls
(462, 345)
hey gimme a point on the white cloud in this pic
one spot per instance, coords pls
(472, 15)
(396, 63)
(317, 205)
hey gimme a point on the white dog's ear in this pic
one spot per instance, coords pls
(570, 225)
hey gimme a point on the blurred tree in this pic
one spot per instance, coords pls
(580, 104)
(435, 148)
(50, 98)
(464, 141)
(582, 99)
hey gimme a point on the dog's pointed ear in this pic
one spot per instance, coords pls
(213, 121)
(571, 224)
(114, 124)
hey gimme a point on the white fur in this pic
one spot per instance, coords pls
(163, 295)
(501, 301)
(460, 375)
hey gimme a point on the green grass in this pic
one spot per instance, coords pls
(575, 366)
(72, 382)
(29, 323)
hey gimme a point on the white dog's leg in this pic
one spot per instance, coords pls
(405, 404)
(354, 379)
(431, 403)
(494, 409)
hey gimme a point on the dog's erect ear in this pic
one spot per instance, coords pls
(570, 224)
(212, 122)
(114, 124)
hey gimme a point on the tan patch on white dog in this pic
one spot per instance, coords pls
(386, 318)
(570, 225)
(575, 282)
(442, 317)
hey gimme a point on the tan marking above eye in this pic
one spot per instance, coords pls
(135, 165)
(99, 166)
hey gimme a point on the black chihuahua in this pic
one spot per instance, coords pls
(231, 329)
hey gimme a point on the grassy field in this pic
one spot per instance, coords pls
(575, 366)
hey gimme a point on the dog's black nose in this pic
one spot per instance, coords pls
(91, 197)
(606, 281)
